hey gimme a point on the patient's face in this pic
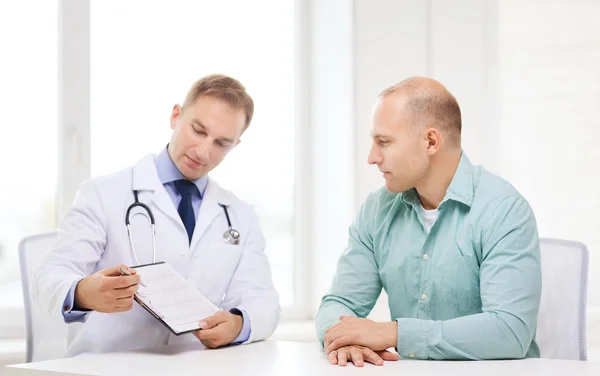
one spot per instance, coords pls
(203, 134)
(398, 148)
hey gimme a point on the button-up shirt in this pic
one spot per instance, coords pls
(468, 289)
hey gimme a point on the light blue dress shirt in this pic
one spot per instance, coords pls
(469, 288)
(168, 173)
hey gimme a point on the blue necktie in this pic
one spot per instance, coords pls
(186, 211)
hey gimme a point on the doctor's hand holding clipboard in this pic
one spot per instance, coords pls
(219, 329)
(181, 308)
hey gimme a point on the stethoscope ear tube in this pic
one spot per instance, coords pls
(152, 225)
(142, 205)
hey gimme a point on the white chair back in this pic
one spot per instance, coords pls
(561, 321)
(46, 334)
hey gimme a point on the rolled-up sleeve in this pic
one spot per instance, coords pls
(356, 284)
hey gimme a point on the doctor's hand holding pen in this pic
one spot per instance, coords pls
(107, 290)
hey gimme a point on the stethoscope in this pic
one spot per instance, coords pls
(230, 236)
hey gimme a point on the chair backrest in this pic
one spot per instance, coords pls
(561, 321)
(46, 334)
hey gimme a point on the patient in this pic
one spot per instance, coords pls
(455, 247)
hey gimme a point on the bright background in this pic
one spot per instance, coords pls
(77, 105)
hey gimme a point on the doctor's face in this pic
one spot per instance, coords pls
(203, 134)
(399, 148)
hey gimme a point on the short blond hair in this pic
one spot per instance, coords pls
(225, 88)
(429, 101)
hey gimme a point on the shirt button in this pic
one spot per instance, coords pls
(423, 296)
(66, 308)
(425, 257)
(411, 355)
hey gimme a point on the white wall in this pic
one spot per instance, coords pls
(73, 92)
(331, 125)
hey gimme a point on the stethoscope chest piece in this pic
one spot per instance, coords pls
(231, 236)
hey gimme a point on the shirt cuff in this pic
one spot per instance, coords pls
(414, 337)
(69, 314)
(246, 330)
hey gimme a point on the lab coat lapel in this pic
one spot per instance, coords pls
(145, 178)
(209, 210)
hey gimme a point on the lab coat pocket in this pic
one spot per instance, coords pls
(218, 265)
(460, 284)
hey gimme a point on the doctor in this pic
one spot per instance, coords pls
(206, 233)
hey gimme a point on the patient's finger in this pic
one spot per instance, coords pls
(342, 357)
(333, 357)
(357, 356)
(372, 357)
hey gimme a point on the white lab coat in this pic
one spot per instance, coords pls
(93, 236)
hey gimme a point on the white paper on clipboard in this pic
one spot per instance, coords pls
(173, 299)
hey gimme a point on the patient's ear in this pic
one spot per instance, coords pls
(433, 140)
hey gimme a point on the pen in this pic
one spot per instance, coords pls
(125, 272)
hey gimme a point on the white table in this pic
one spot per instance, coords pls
(281, 358)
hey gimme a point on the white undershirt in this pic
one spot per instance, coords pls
(429, 216)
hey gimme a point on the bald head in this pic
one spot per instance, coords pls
(429, 104)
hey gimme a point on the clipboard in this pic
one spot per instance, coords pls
(171, 299)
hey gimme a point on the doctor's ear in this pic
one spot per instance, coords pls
(175, 114)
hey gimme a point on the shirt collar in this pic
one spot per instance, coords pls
(460, 189)
(168, 171)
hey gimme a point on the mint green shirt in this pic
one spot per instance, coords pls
(468, 289)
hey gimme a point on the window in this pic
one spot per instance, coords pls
(28, 156)
(550, 63)
(138, 74)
